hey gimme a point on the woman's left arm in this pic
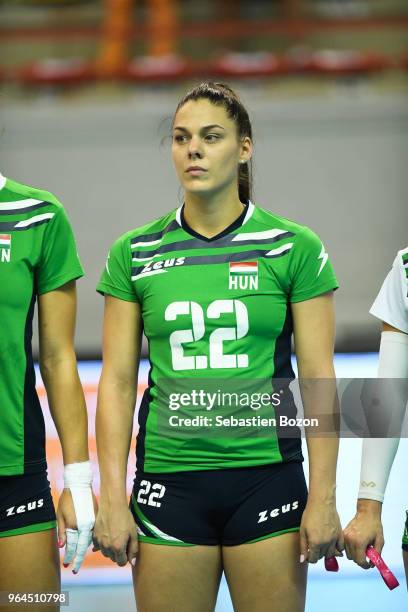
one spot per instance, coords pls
(313, 319)
(56, 320)
(58, 367)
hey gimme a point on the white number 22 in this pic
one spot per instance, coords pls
(157, 492)
(217, 357)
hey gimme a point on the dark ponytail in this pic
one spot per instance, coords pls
(222, 95)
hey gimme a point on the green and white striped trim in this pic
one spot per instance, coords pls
(160, 537)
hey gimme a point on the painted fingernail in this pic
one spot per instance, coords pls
(302, 558)
(65, 565)
(75, 572)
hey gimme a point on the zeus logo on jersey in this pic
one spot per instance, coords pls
(266, 514)
(243, 275)
(5, 248)
(33, 505)
(166, 263)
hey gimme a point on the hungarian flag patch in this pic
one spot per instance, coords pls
(5, 247)
(243, 275)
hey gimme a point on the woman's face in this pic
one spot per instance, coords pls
(205, 147)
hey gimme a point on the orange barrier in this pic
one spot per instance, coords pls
(115, 38)
(163, 26)
(163, 30)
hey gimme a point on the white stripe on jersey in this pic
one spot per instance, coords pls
(178, 215)
(144, 258)
(264, 235)
(139, 276)
(35, 219)
(280, 250)
(149, 243)
(19, 204)
(249, 212)
(3, 181)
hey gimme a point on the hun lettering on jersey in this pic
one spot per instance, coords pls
(5, 248)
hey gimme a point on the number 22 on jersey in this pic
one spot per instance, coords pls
(216, 358)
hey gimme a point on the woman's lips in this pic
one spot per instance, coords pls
(195, 171)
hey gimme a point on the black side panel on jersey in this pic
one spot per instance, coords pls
(290, 448)
(34, 427)
(142, 420)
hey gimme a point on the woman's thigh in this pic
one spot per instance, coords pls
(175, 578)
(266, 576)
(29, 563)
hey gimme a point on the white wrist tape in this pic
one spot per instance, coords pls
(379, 453)
(78, 475)
(78, 479)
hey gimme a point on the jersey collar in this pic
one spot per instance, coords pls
(249, 213)
(3, 181)
(244, 216)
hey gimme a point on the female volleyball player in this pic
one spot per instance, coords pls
(218, 285)
(39, 261)
(391, 307)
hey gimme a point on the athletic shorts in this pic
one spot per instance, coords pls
(405, 535)
(25, 504)
(219, 507)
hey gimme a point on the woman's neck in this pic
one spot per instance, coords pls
(208, 216)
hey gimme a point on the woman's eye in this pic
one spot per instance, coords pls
(180, 138)
(212, 137)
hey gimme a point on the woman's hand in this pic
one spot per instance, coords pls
(364, 529)
(115, 534)
(76, 538)
(320, 532)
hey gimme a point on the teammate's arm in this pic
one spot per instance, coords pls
(75, 513)
(58, 367)
(115, 530)
(320, 531)
(377, 458)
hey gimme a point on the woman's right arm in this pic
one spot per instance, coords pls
(115, 531)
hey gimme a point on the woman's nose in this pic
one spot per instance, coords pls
(194, 149)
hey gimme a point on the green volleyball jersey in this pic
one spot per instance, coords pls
(37, 254)
(216, 313)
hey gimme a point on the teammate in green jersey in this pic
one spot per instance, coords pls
(38, 260)
(218, 285)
